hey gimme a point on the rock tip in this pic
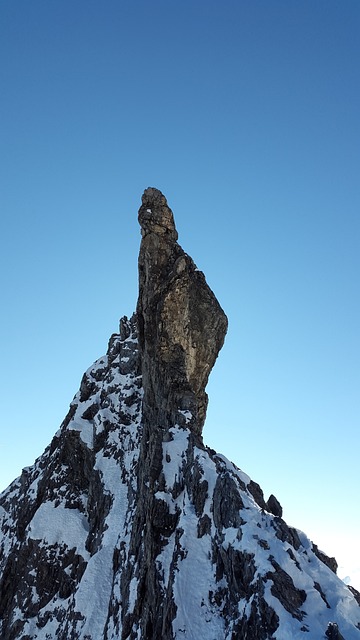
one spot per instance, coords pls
(151, 193)
(155, 215)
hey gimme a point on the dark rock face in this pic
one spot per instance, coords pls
(284, 589)
(128, 527)
(181, 324)
(273, 505)
(330, 562)
(333, 633)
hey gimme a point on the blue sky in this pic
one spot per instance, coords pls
(246, 116)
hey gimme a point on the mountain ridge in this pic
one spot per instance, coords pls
(128, 526)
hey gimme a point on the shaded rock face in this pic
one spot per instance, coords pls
(181, 324)
(333, 633)
(181, 329)
(128, 527)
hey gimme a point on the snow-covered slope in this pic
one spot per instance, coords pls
(129, 527)
(226, 567)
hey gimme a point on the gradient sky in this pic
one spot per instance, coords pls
(247, 116)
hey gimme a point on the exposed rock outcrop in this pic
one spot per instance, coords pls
(333, 633)
(181, 329)
(273, 505)
(128, 527)
(181, 324)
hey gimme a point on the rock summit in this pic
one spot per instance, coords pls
(128, 527)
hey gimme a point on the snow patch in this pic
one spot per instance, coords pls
(174, 453)
(59, 525)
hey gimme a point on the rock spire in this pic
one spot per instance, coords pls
(181, 324)
(128, 527)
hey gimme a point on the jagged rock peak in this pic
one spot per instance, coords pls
(181, 324)
(129, 528)
(155, 216)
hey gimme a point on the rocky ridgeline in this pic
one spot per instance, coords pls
(128, 527)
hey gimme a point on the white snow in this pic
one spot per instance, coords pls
(185, 562)
(187, 415)
(194, 578)
(132, 593)
(98, 576)
(85, 428)
(59, 525)
(174, 455)
(166, 497)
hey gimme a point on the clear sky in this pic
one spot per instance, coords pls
(247, 116)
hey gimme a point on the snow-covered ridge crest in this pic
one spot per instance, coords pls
(128, 527)
(61, 519)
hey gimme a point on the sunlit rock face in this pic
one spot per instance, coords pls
(127, 527)
(181, 324)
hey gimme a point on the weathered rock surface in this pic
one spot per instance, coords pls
(181, 324)
(333, 633)
(128, 527)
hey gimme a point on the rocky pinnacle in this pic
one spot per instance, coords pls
(181, 329)
(181, 324)
(128, 527)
